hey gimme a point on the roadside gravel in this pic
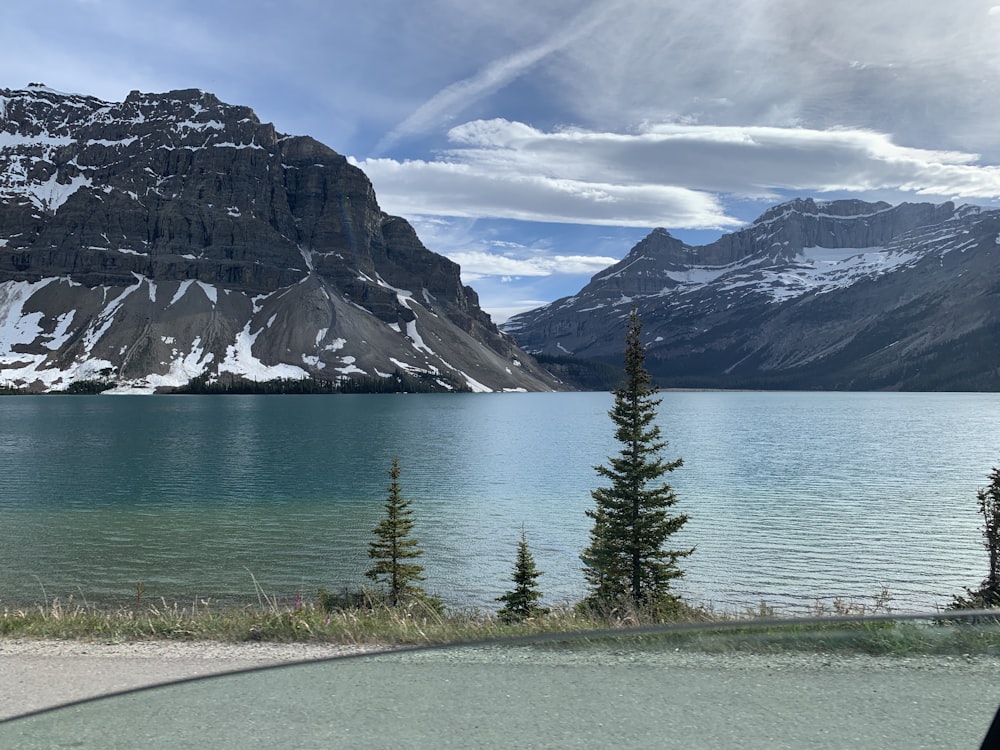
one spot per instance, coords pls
(530, 697)
(36, 674)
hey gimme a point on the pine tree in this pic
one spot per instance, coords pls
(988, 593)
(989, 507)
(626, 562)
(521, 603)
(393, 548)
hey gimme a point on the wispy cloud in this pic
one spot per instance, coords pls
(446, 104)
(917, 69)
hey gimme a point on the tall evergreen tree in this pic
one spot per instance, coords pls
(988, 593)
(393, 549)
(626, 562)
(522, 602)
(989, 507)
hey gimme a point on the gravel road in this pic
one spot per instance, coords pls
(40, 674)
(491, 697)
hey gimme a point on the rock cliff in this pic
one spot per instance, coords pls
(173, 236)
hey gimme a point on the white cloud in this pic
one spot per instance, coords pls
(742, 160)
(663, 174)
(475, 190)
(511, 277)
(506, 309)
(479, 263)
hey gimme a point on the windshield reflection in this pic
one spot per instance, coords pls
(894, 681)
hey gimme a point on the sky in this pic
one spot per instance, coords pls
(536, 141)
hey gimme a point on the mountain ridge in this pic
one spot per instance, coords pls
(173, 236)
(829, 295)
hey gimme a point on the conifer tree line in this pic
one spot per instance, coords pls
(396, 382)
(626, 564)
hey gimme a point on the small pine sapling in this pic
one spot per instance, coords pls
(394, 550)
(521, 603)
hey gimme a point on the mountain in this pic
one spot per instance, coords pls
(173, 237)
(812, 295)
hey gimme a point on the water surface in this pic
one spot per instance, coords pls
(793, 497)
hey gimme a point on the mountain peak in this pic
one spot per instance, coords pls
(658, 241)
(850, 208)
(840, 294)
(173, 236)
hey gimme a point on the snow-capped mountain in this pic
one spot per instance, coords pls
(845, 294)
(172, 236)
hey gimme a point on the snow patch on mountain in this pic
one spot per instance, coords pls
(823, 270)
(181, 291)
(16, 326)
(104, 320)
(240, 360)
(210, 291)
(815, 269)
(182, 369)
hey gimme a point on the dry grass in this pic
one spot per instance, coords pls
(271, 620)
(364, 620)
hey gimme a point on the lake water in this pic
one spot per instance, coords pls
(793, 497)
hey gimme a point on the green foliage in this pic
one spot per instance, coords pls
(274, 620)
(584, 374)
(8, 388)
(238, 385)
(626, 564)
(404, 382)
(343, 601)
(381, 626)
(393, 549)
(105, 381)
(88, 387)
(398, 382)
(521, 603)
(988, 593)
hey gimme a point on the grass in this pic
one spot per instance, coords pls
(270, 620)
(363, 620)
(900, 638)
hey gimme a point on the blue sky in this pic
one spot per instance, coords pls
(536, 141)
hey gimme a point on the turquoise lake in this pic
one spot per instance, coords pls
(793, 497)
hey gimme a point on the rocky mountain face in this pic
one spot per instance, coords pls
(839, 295)
(172, 236)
